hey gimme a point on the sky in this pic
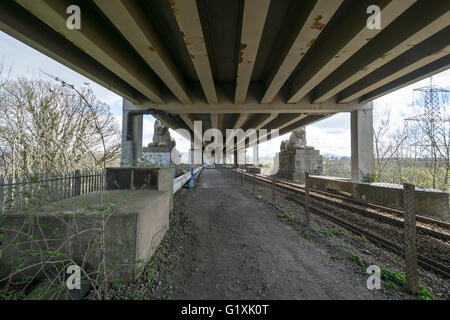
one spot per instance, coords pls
(330, 136)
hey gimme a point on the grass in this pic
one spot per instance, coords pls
(361, 238)
(330, 232)
(305, 234)
(357, 258)
(344, 245)
(334, 256)
(397, 281)
(286, 216)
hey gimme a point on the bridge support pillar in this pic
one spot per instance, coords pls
(362, 143)
(239, 156)
(256, 154)
(132, 126)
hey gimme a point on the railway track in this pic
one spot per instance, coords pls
(425, 225)
(436, 229)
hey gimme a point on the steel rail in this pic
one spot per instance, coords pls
(423, 261)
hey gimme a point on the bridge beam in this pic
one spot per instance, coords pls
(329, 51)
(186, 14)
(392, 42)
(96, 40)
(254, 17)
(309, 23)
(130, 18)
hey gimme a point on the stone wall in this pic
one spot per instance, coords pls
(139, 178)
(293, 165)
(137, 202)
(432, 203)
(131, 235)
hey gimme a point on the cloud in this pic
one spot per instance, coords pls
(331, 135)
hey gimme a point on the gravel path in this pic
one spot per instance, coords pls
(236, 247)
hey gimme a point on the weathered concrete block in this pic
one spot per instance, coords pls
(432, 203)
(138, 178)
(137, 222)
(293, 165)
(253, 170)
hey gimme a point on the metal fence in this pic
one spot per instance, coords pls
(20, 193)
(421, 172)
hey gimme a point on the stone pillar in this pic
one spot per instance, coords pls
(131, 137)
(241, 156)
(362, 142)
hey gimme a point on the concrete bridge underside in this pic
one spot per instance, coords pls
(259, 64)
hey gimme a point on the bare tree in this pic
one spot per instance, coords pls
(387, 142)
(47, 127)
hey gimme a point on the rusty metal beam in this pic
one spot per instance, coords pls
(422, 20)
(22, 25)
(186, 14)
(130, 19)
(424, 53)
(254, 17)
(252, 105)
(348, 35)
(424, 72)
(98, 42)
(312, 25)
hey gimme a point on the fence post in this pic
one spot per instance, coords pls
(242, 175)
(77, 182)
(254, 182)
(410, 238)
(307, 213)
(273, 193)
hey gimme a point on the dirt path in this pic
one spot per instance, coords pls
(237, 248)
